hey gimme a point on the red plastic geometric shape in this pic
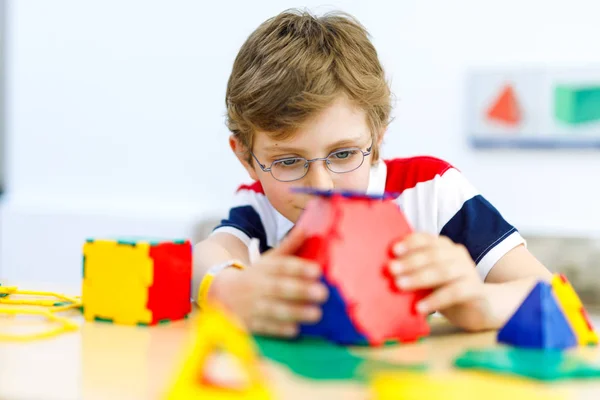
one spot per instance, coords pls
(351, 238)
(169, 297)
(506, 107)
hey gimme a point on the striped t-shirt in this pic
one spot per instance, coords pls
(434, 196)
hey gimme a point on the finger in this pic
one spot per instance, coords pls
(295, 289)
(270, 327)
(432, 275)
(420, 258)
(412, 242)
(292, 266)
(285, 311)
(455, 293)
(291, 243)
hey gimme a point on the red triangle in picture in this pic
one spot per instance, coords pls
(505, 108)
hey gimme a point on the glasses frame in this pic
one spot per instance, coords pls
(307, 163)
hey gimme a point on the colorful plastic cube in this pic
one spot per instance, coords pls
(136, 281)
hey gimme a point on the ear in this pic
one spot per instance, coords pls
(242, 152)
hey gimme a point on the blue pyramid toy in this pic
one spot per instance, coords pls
(539, 323)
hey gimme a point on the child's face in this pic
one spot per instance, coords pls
(339, 127)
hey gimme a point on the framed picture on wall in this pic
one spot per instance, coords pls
(534, 108)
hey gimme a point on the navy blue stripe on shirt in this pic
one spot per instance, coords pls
(478, 226)
(247, 220)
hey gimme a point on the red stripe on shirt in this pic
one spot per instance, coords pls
(255, 187)
(405, 173)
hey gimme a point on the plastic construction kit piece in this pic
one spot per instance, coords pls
(454, 385)
(577, 104)
(545, 365)
(219, 333)
(136, 281)
(319, 359)
(351, 238)
(505, 108)
(574, 311)
(335, 324)
(47, 308)
(2, 293)
(350, 194)
(61, 300)
(538, 323)
(64, 324)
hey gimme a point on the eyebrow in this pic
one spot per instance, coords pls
(340, 143)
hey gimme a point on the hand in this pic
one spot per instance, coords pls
(424, 261)
(277, 292)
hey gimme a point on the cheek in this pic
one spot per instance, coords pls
(279, 193)
(357, 180)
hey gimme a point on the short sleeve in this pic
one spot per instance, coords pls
(250, 217)
(466, 217)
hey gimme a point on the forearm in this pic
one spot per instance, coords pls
(492, 311)
(505, 298)
(209, 253)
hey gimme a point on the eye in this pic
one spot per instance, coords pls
(289, 162)
(344, 154)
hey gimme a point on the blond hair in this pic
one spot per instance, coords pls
(295, 65)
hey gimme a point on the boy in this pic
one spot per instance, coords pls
(308, 106)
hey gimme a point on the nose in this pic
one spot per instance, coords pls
(319, 177)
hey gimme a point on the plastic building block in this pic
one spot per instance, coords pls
(538, 323)
(219, 333)
(61, 301)
(320, 359)
(351, 238)
(545, 365)
(335, 325)
(65, 325)
(463, 386)
(577, 104)
(170, 292)
(505, 108)
(574, 310)
(12, 300)
(2, 293)
(350, 194)
(136, 282)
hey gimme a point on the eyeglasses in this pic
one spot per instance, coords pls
(294, 168)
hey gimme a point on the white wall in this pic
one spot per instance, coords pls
(115, 112)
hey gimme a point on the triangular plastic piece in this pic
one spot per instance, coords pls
(222, 370)
(505, 108)
(538, 323)
(219, 333)
(335, 324)
(574, 310)
(351, 238)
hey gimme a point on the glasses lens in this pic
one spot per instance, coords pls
(290, 169)
(345, 160)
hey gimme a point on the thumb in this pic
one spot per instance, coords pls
(291, 243)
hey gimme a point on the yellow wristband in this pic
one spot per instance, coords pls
(210, 275)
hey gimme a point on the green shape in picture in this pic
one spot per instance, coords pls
(577, 104)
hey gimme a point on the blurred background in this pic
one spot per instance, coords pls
(112, 118)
